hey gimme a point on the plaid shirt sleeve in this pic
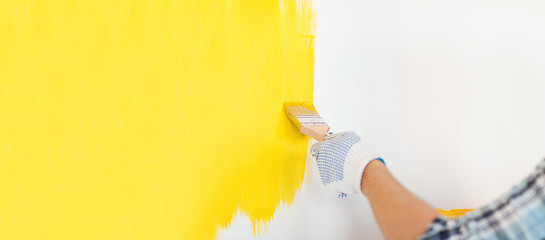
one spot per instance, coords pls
(519, 214)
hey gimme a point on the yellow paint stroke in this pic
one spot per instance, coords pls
(127, 119)
(454, 213)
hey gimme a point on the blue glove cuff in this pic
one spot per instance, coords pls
(382, 160)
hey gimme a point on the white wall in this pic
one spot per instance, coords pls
(451, 92)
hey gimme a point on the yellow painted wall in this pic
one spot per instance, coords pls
(152, 119)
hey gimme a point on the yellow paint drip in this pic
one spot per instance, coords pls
(454, 213)
(133, 119)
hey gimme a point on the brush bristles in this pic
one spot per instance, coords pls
(303, 113)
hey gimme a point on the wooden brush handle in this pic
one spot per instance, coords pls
(318, 132)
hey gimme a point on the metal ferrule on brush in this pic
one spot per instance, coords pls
(307, 119)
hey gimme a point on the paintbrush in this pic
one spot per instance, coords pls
(307, 119)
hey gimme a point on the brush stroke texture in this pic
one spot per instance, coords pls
(149, 119)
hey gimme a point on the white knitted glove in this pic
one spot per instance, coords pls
(341, 159)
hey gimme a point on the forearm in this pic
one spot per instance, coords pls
(399, 213)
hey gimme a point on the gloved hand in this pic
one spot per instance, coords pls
(341, 159)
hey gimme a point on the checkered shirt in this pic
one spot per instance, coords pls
(519, 214)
